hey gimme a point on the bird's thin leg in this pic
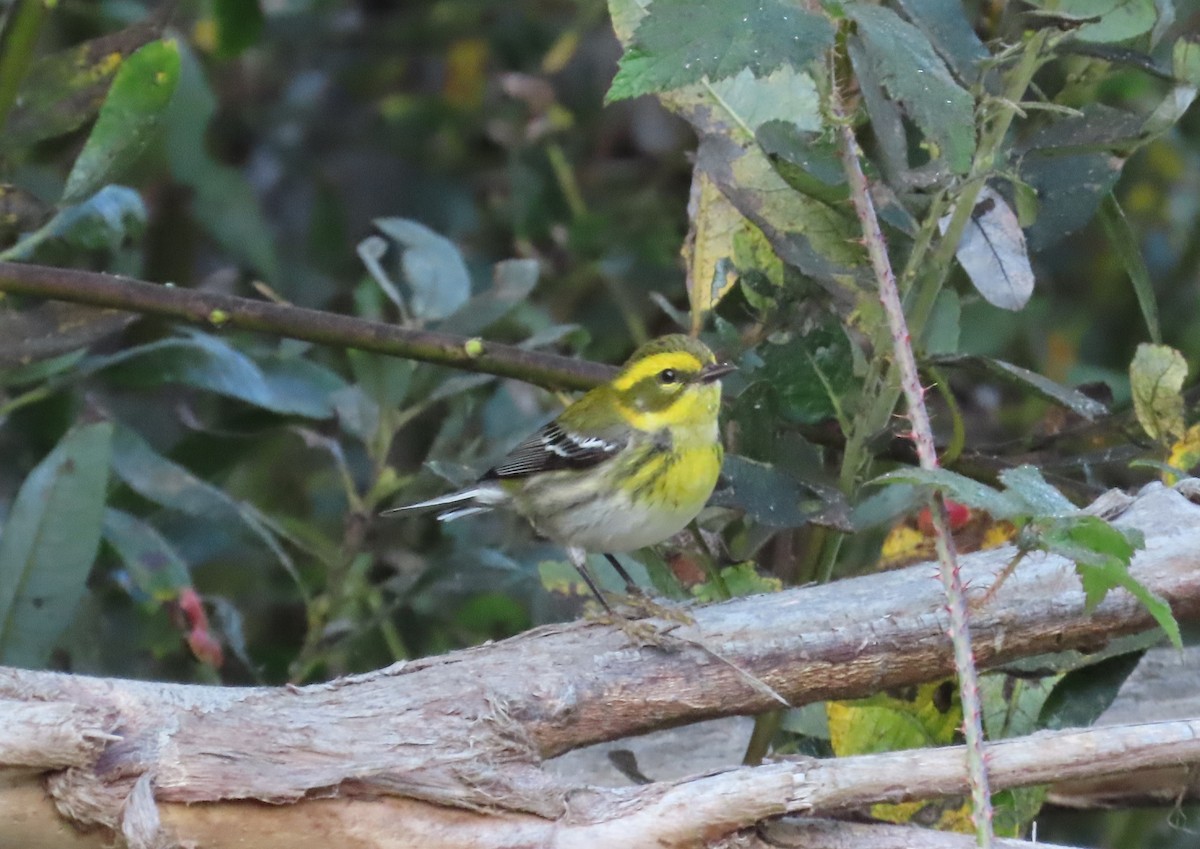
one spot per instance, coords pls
(579, 560)
(630, 586)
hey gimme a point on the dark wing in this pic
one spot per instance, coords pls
(552, 449)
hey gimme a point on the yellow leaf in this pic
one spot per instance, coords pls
(466, 62)
(912, 717)
(1185, 454)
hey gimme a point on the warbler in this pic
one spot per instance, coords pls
(627, 465)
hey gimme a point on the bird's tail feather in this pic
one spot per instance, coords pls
(466, 502)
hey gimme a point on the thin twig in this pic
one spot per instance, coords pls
(218, 311)
(922, 436)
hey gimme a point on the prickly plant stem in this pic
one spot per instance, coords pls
(922, 435)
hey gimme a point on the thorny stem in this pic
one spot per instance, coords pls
(922, 435)
(922, 289)
(217, 311)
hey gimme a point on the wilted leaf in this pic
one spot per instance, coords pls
(815, 237)
(433, 268)
(48, 543)
(914, 717)
(678, 43)
(64, 90)
(992, 251)
(1185, 454)
(51, 329)
(129, 120)
(713, 223)
(916, 77)
(785, 95)
(1156, 378)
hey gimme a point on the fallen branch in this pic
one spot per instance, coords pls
(467, 732)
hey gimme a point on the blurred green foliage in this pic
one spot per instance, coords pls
(453, 165)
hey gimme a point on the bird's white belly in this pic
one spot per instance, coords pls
(613, 525)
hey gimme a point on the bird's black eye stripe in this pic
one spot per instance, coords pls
(668, 375)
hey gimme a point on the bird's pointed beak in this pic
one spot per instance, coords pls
(715, 371)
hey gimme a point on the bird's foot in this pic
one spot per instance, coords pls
(646, 622)
(638, 605)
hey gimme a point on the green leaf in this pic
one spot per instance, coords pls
(222, 201)
(1012, 704)
(1083, 694)
(945, 23)
(1084, 539)
(1120, 20)
(49, 542)
(104, 222)
(945, 323)
(209, 363)
(1102, 554)
(1072, 399)
(1070, 189)
(155, 567)
(808, 374)
(740, 579)
(916, 77)
(680, 42)
(769, 495)
(1156, 378)
(239, 25)
(1041, 499)
(513, 281)
(432, 266)
(1000, 505)
(1124, 242)
(129, 120)
(808, 161)
(170, 485)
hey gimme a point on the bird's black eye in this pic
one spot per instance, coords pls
(668, 375)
